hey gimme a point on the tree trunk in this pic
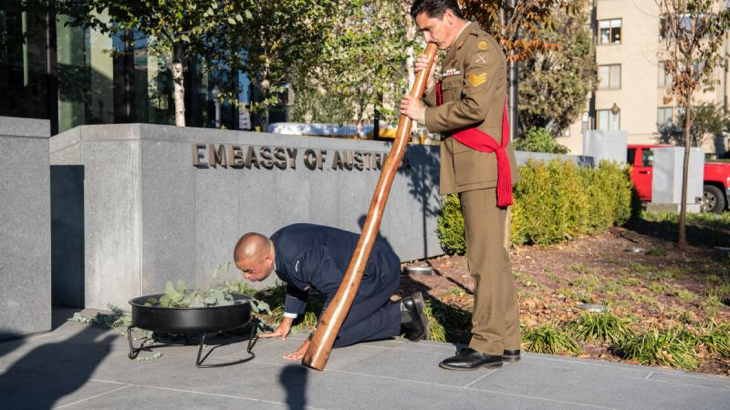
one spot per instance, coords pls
(179, 83)
(685, 170)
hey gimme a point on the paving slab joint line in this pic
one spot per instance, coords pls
(480, 390)
(482, 377)
(94, 396)
(648, 375)
(215, 395)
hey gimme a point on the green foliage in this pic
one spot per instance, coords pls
(117, 318)
(673, 347)
(555, 84)
(448, 323)
(275, 297)
(708, 119)
(559, 201)
(600, 326)
(539, 140)
(549, 338)
(360, 65)
(717, 338)
(450, 228)
(553, 203)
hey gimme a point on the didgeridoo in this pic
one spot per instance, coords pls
(331, 321)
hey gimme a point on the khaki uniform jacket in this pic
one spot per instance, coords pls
(473, 88)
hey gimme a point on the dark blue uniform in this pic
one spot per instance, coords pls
(315, 258)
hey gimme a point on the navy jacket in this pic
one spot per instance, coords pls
(315, 258)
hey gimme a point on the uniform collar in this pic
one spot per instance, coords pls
(460, 40)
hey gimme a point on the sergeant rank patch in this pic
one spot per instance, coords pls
(477, 79)
(482, 45)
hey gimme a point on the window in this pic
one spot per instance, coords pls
(609, 76)
(608, 121)
(585, 123)
(665, 80)
(630, 156)
(664, 117)
(609, 31)
(647, 157)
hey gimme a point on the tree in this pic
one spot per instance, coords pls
(363, 64)
(554, 84)
(709, 119)
(693, 31)
(511, 22)
(181, 28)
(281, 41)
(539, 140)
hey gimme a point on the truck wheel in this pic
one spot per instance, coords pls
(713, 199)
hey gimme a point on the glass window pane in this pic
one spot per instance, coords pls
(616, 35)
(603, 120)
(603, 76)
(615, 76)
(616, 23)
(647, 158)
(604, 24)
(615, 121)
(604, 36)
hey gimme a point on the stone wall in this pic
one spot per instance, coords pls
(166, 203)
(25, 223)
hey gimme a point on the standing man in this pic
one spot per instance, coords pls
(468, 106)
(314, 258)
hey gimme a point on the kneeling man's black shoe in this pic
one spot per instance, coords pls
(413, 317)
(470, 359)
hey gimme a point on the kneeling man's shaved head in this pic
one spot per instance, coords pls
(254, 256)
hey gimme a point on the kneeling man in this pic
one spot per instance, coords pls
(314, 258)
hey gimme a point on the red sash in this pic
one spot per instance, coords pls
(481, 141)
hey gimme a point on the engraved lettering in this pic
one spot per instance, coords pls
(217, 156)
(198, 155)
(266, 158)
(310, 159)
(280, 158)
(292, 154)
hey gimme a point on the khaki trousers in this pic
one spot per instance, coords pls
(496, 321)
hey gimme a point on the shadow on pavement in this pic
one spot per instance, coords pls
(53, 370)
(294, 380)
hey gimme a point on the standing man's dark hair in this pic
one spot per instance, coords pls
(435, 8)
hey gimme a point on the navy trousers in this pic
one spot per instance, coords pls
(372, 315)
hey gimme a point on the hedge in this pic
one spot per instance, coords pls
(553, 203)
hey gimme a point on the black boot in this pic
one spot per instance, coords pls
(413, 317)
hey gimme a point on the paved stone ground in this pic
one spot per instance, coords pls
(81, 367)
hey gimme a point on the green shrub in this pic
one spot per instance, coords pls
(552, 203)
(600, 326)
(550, 339)
(539, 140)
(450, 228)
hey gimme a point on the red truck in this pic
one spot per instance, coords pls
(716, 192)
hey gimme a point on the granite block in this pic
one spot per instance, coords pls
(25, 219)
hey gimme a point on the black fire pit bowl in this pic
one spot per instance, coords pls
(201, 321)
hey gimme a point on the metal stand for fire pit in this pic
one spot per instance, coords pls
(200, 321)
(252, 339)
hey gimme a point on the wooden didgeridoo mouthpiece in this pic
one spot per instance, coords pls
(331, 321)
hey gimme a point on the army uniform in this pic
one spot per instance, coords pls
(472, 91)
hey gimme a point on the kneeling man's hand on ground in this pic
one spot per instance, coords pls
(282, 331)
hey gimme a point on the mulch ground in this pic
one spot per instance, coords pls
(636, 270)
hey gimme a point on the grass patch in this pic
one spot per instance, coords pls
(549, 339)
(600, 326)
(684, 294)
(673, 347)
(711, 306)
(448, 323)
(654, 251)
(717, 338)
(658, 287)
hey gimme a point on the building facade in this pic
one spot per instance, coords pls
(631, 80)
(73, 76)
